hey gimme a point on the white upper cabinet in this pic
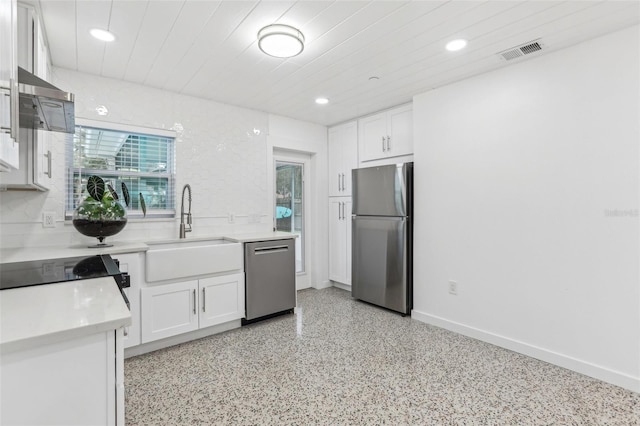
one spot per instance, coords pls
(34, 159)
(9, 148)
(343, 157)
(387, 134)
(33, 54)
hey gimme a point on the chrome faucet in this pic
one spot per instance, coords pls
(183, 229)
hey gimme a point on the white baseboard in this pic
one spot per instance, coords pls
(346, 287)
(324, 284)
(180, 338)
(601, 373)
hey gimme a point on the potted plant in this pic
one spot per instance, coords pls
(101, 215)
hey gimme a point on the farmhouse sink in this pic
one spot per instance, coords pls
(174, 259)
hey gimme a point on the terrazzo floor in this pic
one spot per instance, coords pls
(343, 362)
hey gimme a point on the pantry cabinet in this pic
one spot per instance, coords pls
(176, 308)
(340, 240)
(386, 134)
(343, 157)
(9, 148)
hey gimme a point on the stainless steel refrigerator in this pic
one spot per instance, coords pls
(382, 236)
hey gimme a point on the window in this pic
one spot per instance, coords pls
(144, 159)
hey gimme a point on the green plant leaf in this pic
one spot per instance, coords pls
(125, 194)
(143, 205)
(95, 187)
(113, 192)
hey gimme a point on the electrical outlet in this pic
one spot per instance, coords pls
(230, 217)
(453, 288)
(49, 219)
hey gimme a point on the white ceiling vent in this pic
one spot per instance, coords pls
(522, 50)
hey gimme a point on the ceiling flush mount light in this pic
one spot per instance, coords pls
(455, 45)
(322, 101)
(281, 41)
(102, 35)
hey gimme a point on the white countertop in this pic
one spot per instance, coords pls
(36, 315)
(27, 254)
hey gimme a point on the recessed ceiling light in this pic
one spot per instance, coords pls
(281, 41)
(454, 45)
(102, 35)
(322, 101)
(374, 78)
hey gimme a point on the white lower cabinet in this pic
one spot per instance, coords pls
(73, 382)
(172, 309)
(222, 299)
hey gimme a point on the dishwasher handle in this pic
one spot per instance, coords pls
(269, 250)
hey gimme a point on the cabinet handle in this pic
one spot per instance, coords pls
(342, 211)
(125, 331)
(388, 143)
(338, 182)
(204, 300)
(343, 181)
(194, 301)
(383, 148)
(48, 155)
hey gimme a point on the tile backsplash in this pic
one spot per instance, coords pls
(221, 151)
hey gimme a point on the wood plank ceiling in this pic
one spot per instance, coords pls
(209, 49)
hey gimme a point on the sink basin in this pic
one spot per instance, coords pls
(168, 260)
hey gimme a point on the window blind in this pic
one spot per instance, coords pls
(144, 162)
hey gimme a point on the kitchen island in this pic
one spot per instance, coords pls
(62, 359)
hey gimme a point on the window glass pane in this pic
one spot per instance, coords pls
(145, 163)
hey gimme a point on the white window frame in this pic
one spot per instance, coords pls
(151, 213)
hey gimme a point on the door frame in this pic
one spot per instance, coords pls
(303, 279)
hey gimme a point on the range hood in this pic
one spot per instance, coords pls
(44, 106)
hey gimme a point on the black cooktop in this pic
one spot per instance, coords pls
(25, 274)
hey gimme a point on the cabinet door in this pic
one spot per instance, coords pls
(349, 155)
(221, 299)
(400, 131)
(42, 159)
(130, 263)
(337, 244)
(372, 137)
(335, 161)
(8, 86)
(343, 157)
(70, 382)
(347, 239)
(168, 310)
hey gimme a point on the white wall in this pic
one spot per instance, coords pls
(218, 153)
(299, 136)
(517, 174)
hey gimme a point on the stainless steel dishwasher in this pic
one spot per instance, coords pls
(270, 267)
